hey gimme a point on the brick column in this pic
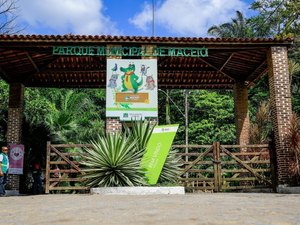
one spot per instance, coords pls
(281, 108)
(242, 120)
(14, 125)
(113, 125)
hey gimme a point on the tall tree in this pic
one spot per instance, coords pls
(238, 27)
(277, 17)
(8, 15)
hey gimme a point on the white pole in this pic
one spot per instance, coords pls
(153, 18)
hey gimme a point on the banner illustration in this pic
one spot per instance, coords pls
(131, 90)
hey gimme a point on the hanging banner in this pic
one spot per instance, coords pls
(131, 89)
(157, 151)
(16, 159)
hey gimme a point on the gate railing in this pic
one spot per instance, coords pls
(63, 172)
(218, 167)
(213, 168)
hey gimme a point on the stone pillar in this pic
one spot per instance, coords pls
(14, 125)
(113, 125)
(242, 120)
(281, 108)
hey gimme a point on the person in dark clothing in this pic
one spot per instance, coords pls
(37, 180)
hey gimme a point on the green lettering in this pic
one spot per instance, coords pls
(154, 52)
(83, 50)
(125, 51)
(55, 50)
(133, 51)
(162, 52)
(101, 51)
(69, 51)
(114, 51)
(194, 52)
(172, 52)
(140, 52)
(179, 52)
(91, 51)
(61, 51)
(203, 52)
(186, 52)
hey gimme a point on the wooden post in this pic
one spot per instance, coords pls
(219, 167)
(216, 158)
(48, 167)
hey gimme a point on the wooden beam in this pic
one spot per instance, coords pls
(32, 62)
(256, 70)
(231, 55)
(201, 59)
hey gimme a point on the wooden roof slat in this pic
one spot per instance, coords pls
(29, 58)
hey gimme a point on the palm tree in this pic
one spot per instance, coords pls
(238, 27)
(68, 117)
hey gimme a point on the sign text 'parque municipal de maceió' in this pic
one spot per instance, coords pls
(129, 51)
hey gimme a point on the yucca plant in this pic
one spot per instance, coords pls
(114, 160)
(171, 169)
(141, 131)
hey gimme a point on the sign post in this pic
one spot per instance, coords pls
(157, 151)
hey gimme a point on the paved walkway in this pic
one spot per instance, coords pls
(206, 208)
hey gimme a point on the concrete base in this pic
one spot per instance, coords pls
(138, 190)
(288, 190)
(12, 192)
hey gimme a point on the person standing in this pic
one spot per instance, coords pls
(4, 165)
(37, 180)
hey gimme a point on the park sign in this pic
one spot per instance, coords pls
(131, 89)
(120, 51)
(157, 150)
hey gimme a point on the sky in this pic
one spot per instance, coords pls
(172, 18)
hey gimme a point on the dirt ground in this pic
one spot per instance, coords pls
(206, 208)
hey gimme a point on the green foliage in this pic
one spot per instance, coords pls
(238, 27)
(141, 131)
(212, 117)
(36, 106)
(3, 110)
(282, 16)
(113, 161)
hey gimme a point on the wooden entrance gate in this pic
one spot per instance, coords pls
(63, 172)
(219, 168)
(212, 168)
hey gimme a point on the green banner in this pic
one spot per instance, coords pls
(157, 151)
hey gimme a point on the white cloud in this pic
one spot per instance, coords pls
(189, 17)
(142, 19)
(66, 16)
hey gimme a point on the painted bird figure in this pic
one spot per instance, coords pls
(115, 68)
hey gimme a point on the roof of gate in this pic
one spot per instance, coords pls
(29, 59)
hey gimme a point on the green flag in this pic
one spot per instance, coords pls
(157, 151)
